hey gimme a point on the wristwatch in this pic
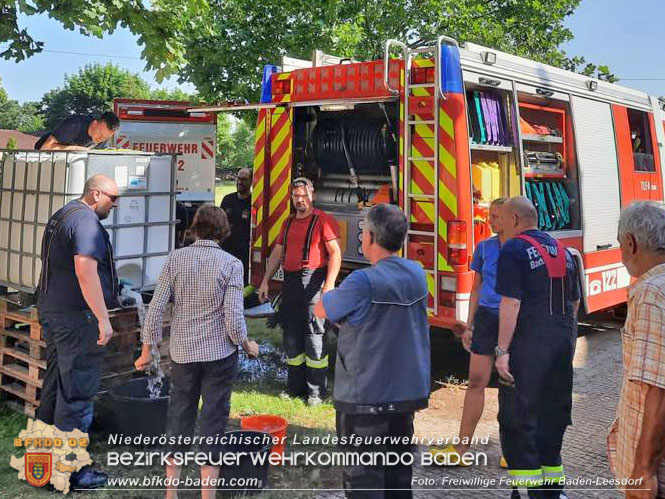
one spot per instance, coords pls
(498, 351)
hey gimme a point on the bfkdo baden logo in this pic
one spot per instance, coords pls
(38, 468)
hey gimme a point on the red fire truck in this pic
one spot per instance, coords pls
(167, 127)
(442, 130)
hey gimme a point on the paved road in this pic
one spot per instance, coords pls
(597, 383)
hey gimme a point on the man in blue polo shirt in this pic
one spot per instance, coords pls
(78, 285)
(383, 350)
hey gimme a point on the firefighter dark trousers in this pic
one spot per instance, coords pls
(377, 482)
(304, 334)
(533, 415)
(73, 362)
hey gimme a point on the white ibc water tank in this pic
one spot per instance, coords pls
(37, 184)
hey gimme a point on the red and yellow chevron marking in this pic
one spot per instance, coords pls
(281, 146)
(258, 177)
(431, 283)
(452, 130)
(283, 97)
(422, 145)
(423, 173)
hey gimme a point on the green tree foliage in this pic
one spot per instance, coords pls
(225, 144)
(92, 91)
(235, 143)
(174, 94)
(248, 34)
(12, 145)
(579, 65)
(3, 93)
(222, 45)
(24, 117)
(243, 138)
(159, 24)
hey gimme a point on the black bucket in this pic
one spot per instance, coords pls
(247, 476)
(133, 412)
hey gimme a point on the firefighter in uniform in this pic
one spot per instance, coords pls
(310, 255)
(537, 279)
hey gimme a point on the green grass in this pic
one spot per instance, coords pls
(222, 189)
(247, 400)
(258, 331)
(262, 397)
(265, 397)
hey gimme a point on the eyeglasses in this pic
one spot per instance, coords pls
(112, 197)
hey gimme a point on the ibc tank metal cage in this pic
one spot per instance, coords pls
(35, 184)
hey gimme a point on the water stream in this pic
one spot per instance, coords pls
(155, 370)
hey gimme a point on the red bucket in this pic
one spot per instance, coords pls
(275, 425)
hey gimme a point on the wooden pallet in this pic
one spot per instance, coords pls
(21, 406)
(10, 307)
(23, 352)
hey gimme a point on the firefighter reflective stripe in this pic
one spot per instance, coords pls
(317, 364)
(526, 478)
(553, 473)
(298, 360)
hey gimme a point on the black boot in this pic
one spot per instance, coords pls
(87, 478)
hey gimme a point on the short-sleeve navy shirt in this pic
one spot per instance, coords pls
(72, 131)
(78, 232)
(521, 274)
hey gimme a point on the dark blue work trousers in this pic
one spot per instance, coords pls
(73, 364)
(535, 413)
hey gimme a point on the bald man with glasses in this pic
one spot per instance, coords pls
(78, 286)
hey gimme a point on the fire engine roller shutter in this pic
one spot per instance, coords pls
(599, 173)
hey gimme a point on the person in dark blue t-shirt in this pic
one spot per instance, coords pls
(78, 285)
(539, 284)
(79, 133)
(238, 208)
(481, 331)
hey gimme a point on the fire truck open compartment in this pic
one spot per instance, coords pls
(350, 152)
(548, 167)
(550, 170)
(492, 139)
